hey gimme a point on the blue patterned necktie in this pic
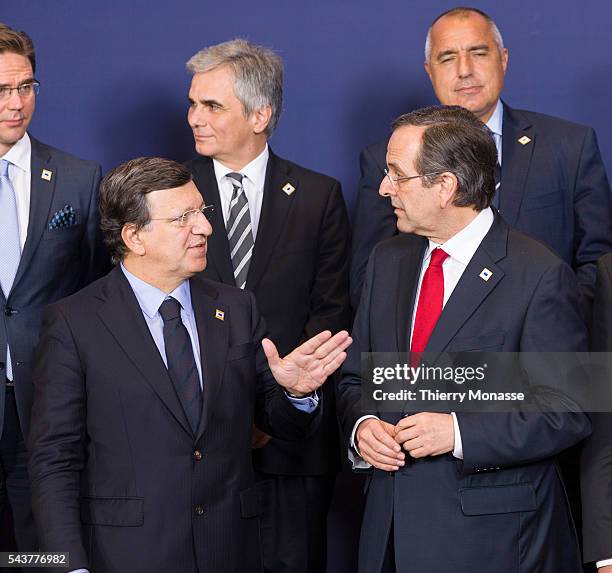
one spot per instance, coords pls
(10, 247)
(181, 362)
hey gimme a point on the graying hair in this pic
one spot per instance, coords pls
(455, 141)
(258, 75)
(463, 11)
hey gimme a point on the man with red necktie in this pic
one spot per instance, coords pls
(471, 491)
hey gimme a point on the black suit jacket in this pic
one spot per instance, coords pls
(503, 507)
(119, 480)
(299, 276)
(596, 463)
(554, 188)
(54, 262)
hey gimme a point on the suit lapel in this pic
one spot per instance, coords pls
(218, 246)
(472, 289)
(274, 213)
(123, 317)
(212, 319)
(41, 196)
(516, 161)
(407, 282)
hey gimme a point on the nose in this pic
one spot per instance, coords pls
(15, 101)
(386, 188)
(196, 116)
(464, 65)
(202, 225)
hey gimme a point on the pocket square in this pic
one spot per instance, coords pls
(65, 217)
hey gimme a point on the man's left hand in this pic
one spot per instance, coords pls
(426, 434)
(308, 366)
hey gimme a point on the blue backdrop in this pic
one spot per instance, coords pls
(114, 83)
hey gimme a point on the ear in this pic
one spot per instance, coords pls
(504, 59)
(260, 119)
(133, 240)
(448, 187)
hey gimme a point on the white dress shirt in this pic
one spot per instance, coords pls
(19, 156)
(495, 126)
(460, 249)
(254, 177)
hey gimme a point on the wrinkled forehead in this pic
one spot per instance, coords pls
(461, 32)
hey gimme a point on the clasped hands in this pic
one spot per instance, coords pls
(305, 369)
(424, 434)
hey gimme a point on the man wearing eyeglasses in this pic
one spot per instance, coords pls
(282, 232)
(465, 490)
(551, 181)
(147, 385)
(49, 247)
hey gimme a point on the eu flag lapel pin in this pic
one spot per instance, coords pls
(46, 175)
(288, 188)
(219, 314)
(524, 140)
(485, 274)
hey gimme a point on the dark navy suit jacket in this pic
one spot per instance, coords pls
(55, 262)
(503, 507)
(553, 187)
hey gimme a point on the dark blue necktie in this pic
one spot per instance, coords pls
(181, 363)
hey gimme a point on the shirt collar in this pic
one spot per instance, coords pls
(20, 154)
(150, 298)
(255, 171)
(463, 245)
(496, 120)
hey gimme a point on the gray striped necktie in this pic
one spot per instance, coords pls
(10, 247)
(239, 231)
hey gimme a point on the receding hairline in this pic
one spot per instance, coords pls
(464, 13)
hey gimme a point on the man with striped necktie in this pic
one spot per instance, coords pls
(282, 232)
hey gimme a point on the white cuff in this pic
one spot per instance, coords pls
(603, 563)
(458, 449)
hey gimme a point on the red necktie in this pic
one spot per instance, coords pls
(430, 303)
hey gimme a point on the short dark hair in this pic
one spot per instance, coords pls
(455, 140)
(123, 198)
(17, 42)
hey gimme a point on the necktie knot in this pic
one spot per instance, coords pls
(4, 165)
(438, 256)
(236, 178)
(170, 309)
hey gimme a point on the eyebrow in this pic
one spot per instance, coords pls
(450, 52)
(21, 83)
(208, 102)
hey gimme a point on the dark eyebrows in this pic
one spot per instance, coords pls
(450, 52)
(21, 83)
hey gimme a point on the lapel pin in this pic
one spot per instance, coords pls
(219, 314)
(524, 140)
(46, 174)
(288, 188)
(485, 274)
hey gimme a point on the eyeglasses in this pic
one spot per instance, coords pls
(396, 180)
(188, 218)
(24, 90)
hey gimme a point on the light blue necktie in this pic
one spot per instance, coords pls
(10, 247)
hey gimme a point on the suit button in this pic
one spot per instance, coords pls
(8, 311)
(199, 510)
(197, 455)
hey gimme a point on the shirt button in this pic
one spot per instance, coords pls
(197, 455)
(199, 510)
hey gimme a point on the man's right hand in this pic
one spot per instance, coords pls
(375, 440)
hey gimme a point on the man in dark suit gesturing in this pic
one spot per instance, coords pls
(147, 385)
(469, 490)
(49, 247)
(281, 231)
(552, 183)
